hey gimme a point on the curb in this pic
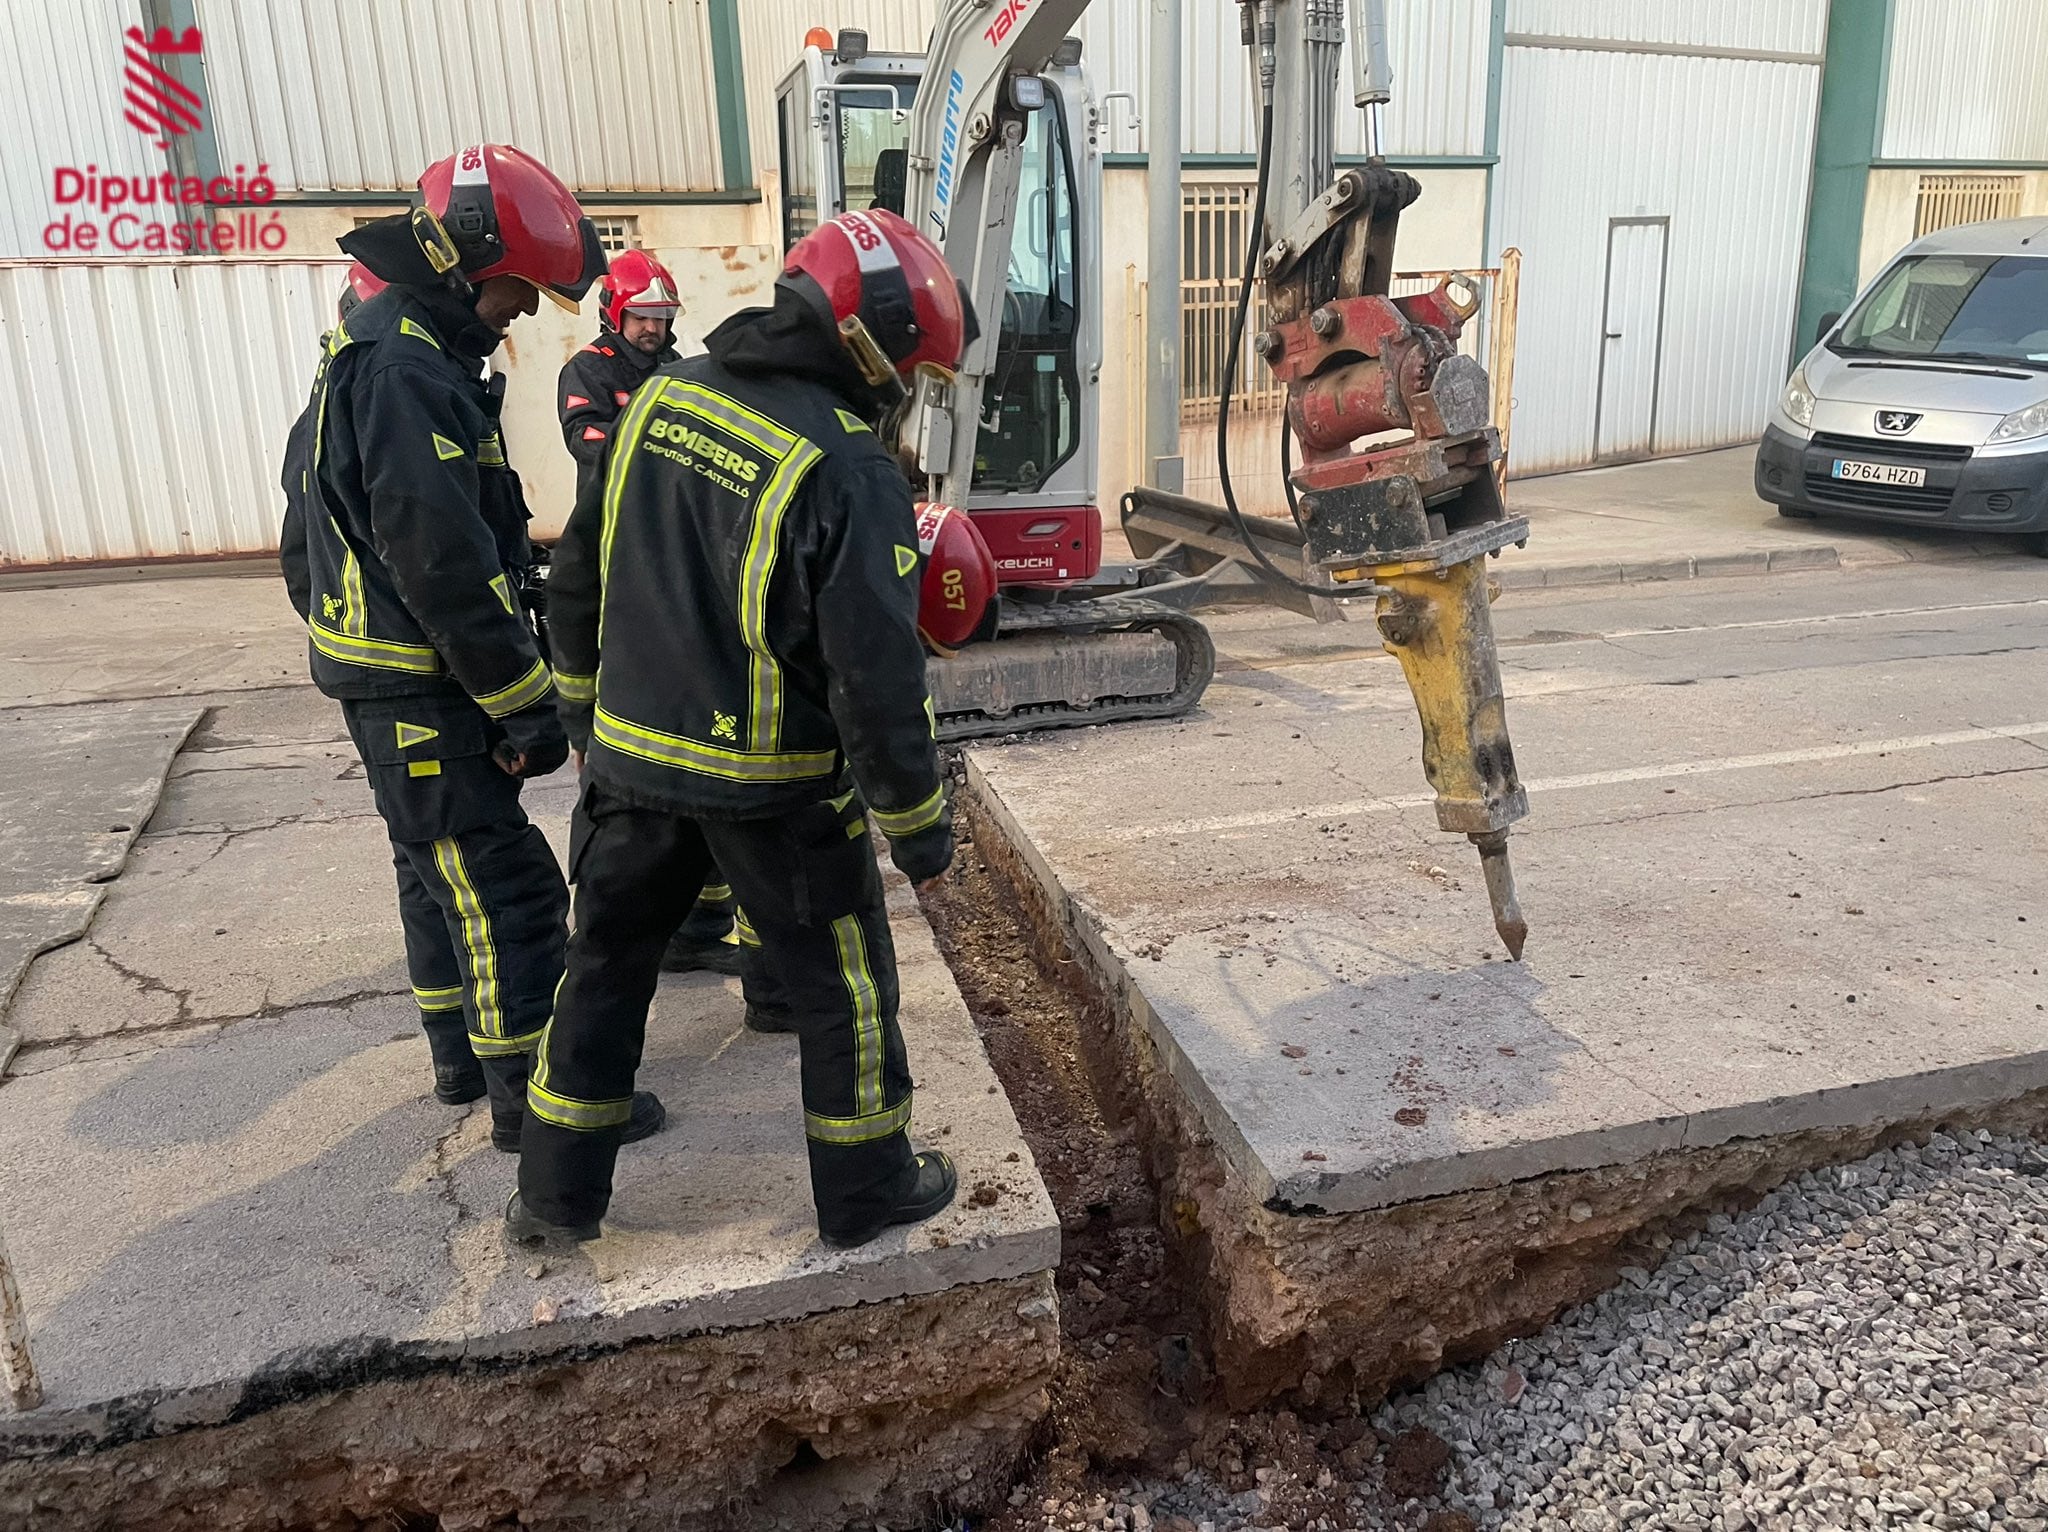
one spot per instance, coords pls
(1709, 566)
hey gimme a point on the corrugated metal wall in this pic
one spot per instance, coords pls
(1975, 92)
(772, 35)
(1764, 26)
(1440, 62)
(60, 104)
(143, 407)
(1567, 169)
(614, 95)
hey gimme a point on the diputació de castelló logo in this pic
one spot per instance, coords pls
(169, 213)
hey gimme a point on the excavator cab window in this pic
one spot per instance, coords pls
(1031, 412)
(874, 149)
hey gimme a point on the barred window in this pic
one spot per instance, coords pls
(1215, 222)
(1948, 200)
(621, 232)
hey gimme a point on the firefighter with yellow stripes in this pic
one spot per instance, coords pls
(734, 613)
(405, 531)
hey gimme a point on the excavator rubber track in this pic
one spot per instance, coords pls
(1070, 665)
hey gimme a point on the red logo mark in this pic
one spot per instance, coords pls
(472, 157)
(863, 233)
(160, 106)
(1006, 21)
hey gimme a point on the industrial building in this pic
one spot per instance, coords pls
(1689, 189)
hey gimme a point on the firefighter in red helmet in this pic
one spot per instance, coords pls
(736, 605)
(406, 536)
(639, 303)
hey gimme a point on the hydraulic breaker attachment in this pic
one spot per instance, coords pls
(1397, 488)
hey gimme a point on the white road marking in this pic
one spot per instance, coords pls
(1708, 766)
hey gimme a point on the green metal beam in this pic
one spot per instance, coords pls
(1496, 63)
(728, 72)
(1844, 147)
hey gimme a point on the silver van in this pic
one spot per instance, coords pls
(1928, 403)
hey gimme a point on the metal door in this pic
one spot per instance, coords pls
(1631, 336)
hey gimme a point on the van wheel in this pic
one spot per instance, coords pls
(1796, 512)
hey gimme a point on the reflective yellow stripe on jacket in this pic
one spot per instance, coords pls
(693, 755)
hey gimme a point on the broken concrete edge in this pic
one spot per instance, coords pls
(913, 1411)
(1515, 575)
(175, 743)
(57, 1430)
(1322, 1306)
(10, 1042)
(86, 899)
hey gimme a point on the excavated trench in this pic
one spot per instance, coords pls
(1203, 1329)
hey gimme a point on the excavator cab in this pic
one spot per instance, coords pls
(842, 139)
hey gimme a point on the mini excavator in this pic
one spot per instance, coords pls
(989, 143)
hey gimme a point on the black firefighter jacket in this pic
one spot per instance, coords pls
(592, 392)
(734, 605)
(405, 529)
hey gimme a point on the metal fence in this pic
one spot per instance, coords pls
(1947, 200)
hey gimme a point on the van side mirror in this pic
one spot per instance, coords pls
(1828, 321)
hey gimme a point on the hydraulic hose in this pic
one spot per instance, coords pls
(1229, 385)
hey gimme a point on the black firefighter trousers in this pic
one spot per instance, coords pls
(813, 896)
(480, 896)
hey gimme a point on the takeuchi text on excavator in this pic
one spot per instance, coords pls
(990, 143)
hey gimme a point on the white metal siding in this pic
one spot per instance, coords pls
(1759, 26)
(1440, 61)
(60, 105)
(361, 95)
(1722, 147)
(772, 37)
(1975, 92)
(143, 407)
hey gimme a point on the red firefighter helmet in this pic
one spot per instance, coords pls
(956, 603)
(887, 289)
(508, 215)
(363, 285)
(636, 283)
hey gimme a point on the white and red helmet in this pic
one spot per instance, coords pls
(507, 214)
(888, 291)
(636, 283)
(956, 600)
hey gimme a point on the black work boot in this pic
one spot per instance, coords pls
(762, 1019)
(649, 1118)
(692, 954)
(523, 1227)
(458, 1077)
(931, 1188)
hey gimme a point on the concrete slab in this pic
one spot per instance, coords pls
(1727, 944)
(283, 1201)
(76, 787)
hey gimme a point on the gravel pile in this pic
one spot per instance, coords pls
(1867, 1347)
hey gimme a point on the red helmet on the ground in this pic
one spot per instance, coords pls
(888, 290)
(956, 601)
(508, 215)
(363, 285)
(636, 283)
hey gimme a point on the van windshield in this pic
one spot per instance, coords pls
(1991, 308)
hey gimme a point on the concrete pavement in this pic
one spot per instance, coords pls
(229, 1189)
(1782, 870)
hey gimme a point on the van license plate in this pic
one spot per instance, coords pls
(1879, 473)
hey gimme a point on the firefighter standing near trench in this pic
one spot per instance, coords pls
(741, 594)
(639, 304)
(405, 533)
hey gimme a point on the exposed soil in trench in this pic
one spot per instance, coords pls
(1133, 1396)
